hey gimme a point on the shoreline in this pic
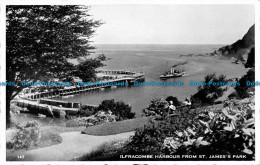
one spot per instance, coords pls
(184, 88)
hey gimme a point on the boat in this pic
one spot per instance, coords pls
(172, 74)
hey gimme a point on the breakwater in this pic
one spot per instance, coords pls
(40, 102)
(50, 108)
(115, 77)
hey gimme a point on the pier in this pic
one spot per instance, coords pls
(41, 102)
(116, 76)
(48, 107)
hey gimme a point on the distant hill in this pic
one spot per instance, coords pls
(241, 48)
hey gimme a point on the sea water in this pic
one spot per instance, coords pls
(154, 60)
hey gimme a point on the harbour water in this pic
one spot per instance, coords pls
(154, 60)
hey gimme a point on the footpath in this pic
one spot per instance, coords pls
(74, 145)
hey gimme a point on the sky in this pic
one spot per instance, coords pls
(172, 24)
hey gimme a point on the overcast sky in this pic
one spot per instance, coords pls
(172, 24)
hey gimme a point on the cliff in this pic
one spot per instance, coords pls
(241, 48)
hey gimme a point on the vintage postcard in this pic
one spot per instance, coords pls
(108, 81)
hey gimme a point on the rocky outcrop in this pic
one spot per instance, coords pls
(241, 48)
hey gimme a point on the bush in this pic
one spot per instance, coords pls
(86, 111)
(107, 111)
(207, 94)
(174, 100)
(243, 88)
(200, 131)
(233, 95)
(150, 140)
(27, 135)
(99, 118)
(156, 107)
(120, 109)
(251, 59)
(9, 145)
(192, 132)
(107, 151)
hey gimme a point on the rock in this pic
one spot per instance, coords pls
(241, 48)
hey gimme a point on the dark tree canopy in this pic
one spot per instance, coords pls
(86, 69)
(207, 94)
(174, 100)
(242, 89)
(41, 39)
(120, 109)
(251, 59)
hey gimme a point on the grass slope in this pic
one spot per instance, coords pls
(117, 127)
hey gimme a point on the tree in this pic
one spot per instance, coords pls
(86, 69)
(209, 92)
(242, 89)
(120, 109)
(251, 59)
(41, 39)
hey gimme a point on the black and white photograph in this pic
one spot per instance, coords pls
(129, 82)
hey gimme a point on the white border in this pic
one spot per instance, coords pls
(2, 79)
(3, 3)
(257, 77)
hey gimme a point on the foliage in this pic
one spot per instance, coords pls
(99, 118)
(107, 151)
(41, 39)
(156, 107)
(69, 79)
(242, 89)
(174, 100)
(26, 136)
(208, 93)
(200, 131)
(151, 139)
(251, 59)
(107, 111)
(120, 109)
(86, 69)
(86, 111)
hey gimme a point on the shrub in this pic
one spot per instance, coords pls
(99, 118)
(251, 59)
(243, 87)
(207, 94)
(86, 111)
(196, 102)
(156, 107)
(9, 145)
(27, 135)
(106, 151)
(174, 100)
(233, 95)
(150, 140)
(200, 131)
(120, 109)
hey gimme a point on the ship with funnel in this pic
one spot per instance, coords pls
(172, 73)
